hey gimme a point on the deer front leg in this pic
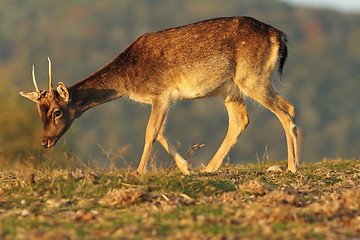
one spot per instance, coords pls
(157, 117)
(182, 164)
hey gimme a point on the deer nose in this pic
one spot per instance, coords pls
(45, 143)
(48, 142)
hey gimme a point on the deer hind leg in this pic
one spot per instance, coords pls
(238, 120)
(158, 114)
(285, 111)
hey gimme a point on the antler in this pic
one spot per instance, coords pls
(34, 80)
(50, 77)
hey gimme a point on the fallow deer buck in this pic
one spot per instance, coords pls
(231, 57)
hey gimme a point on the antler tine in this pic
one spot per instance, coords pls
(50, 76)
(34, 79)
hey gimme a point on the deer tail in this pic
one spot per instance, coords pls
(283, 52)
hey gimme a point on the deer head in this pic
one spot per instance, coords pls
(55, 109)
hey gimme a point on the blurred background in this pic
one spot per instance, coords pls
(321, 78)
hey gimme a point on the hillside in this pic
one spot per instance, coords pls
(321, 78)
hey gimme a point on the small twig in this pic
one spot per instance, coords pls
(130, 185)
(192, 150)
(165, 197)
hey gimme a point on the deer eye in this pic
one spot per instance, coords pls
(57, 113)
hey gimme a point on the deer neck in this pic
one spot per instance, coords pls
(100, 87)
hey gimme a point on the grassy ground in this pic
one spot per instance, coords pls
(321, 201)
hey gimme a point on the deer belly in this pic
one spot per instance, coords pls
(203, 90)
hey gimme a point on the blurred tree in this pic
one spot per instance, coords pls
(321, 77)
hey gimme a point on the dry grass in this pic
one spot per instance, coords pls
(319, 202)
(122, 197)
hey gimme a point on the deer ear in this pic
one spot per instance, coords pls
(33, 95)
(63, 91)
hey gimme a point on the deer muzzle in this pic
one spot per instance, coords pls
(49, 142)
